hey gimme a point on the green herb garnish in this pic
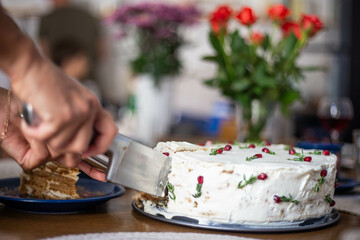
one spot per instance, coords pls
(251, 180)
(171, 191)
(289, 199)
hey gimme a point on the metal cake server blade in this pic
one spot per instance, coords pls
(127, 162)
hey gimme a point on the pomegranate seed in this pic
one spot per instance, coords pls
(201, 144)
(336, 184)
(231, 142)
(200, 179)
(219, 151)
(332, 203)
(277, 199)
(323, 173)
(267, 143)
(258, 155)
(227, 147)
(292, 151)
(251, 146)
(326, 152)
(262, 176)
(166, 153)
(265, 150)
(307, 159)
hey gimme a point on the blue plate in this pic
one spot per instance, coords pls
(92, 192)
(346, 185)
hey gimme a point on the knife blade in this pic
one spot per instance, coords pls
(127, 162)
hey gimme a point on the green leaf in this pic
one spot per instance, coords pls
(240, 84)
(210, 82)
(211, 58)
(266, 43)
(289, 44)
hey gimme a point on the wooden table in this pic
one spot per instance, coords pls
(117, 216)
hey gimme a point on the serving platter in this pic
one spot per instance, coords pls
(296, 226)
(92, 193)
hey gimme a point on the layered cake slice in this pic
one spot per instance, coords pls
(50, 181)
(242, 183)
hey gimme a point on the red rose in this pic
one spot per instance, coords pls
(311, 23)
(257, 38)
(278, 12)
(289, 27)
(219, 18)
(246, 16)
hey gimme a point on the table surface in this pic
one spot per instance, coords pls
(117, 215)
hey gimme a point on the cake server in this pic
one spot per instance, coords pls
(127, 162)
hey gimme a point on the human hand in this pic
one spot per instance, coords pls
(30, 153)
(69, 113)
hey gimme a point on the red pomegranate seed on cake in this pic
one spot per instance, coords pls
(262, 176)
(292, 151)
(200, 179)
(265, 150)
(326, 152)
(219, 151)
(332, 203)
(231, 142)
(227, 147)
(277, 199)
(323, 173)
(336, 184)
(251, 146)
(166, 153)
(307, 159)
(258, 155)
(267, 143)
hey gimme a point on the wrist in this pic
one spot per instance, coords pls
(26, 56)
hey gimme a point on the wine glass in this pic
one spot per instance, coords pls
(335, 115)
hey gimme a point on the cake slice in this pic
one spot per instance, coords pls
(50, 181)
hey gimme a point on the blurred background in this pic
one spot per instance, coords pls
(96, 54)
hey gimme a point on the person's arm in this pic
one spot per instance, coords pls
(69, 113)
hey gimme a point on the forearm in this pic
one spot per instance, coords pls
(17, 51)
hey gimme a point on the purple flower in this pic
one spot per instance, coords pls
(160, 18)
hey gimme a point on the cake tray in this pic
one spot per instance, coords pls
(276, 227)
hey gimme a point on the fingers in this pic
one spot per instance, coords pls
(69, 160)
(106, 130)
(92, 172)
(36, 155)
(74, 133)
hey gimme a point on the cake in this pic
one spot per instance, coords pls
(245, 183)
(50, 181)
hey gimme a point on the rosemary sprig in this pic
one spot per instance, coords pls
(289, 199)
(171, 191)
(316, 152)
(299, 159)
(320, 182)
(251, 180)
(198, 191)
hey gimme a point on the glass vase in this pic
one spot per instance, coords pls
(253, 119)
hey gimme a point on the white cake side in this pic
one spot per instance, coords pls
(232, 191)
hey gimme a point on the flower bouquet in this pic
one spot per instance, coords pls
(259, 67)
(158, 40)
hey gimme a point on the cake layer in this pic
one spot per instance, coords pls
(248, 184)
(50, 181)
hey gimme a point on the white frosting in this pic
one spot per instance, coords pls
(221, 199)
